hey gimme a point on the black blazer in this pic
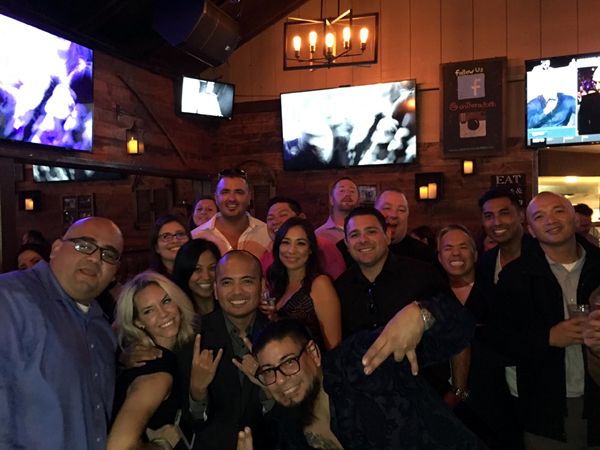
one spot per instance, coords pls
(231, 405)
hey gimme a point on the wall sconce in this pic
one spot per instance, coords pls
(328, 42)
(30, 200)
(134, 136)
(429, 186)
(467, 167)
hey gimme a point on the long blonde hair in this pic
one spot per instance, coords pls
(127, 313)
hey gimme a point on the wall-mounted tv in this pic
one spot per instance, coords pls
(350, 126)
(46, 88)
(563, 100)
(47, 174)
(199, 97)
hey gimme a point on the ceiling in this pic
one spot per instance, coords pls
(123, 28)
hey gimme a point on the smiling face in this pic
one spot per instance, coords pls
(205, 209)
(291, 390)
(157, 314)
(294, 249)
(344, 196)
(457, 255)
(394, 207)
(201, 282)
(551, 219)
(232, 196)
(168, 244)
(277, 215)
(238, 285)
(84, 277)
(366, 240)
(502, 220)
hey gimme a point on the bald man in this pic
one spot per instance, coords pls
(58, 351)
(538, 326)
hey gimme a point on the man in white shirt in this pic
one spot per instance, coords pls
(233, 228)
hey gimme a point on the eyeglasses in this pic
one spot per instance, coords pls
(168, 237)
(232, 173)
(288, 367)
(107, 254)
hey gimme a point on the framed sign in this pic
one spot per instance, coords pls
(473, 101)
(367, 194)
(515, 183)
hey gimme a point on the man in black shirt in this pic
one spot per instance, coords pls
(380, 283)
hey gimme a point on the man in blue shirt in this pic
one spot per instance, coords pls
(58, 351)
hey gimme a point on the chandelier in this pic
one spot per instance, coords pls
(330, 41)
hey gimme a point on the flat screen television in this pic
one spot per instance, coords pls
(367, 125)
(206, 98)
(47, 174)
(563, 100)
(46, 88)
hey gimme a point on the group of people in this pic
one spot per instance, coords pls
(354, 335)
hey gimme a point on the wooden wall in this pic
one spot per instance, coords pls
(416, 36)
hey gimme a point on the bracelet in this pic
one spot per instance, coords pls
(162, 443)
(462, 394)
(428, 319)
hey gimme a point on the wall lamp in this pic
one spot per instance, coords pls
(134, 136)
(429, 186)
(467, 167)
(30, 200)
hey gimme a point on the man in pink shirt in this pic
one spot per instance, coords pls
(280, 210)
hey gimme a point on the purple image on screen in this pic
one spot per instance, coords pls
(46, 88)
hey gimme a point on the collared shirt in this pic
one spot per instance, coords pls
(57, 370)
(367, 305)
(255, 239)
(330, 231)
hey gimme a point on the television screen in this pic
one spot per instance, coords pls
(563, 100)
(206, 98)
(45, 174)
(350, 126)
(46, 88)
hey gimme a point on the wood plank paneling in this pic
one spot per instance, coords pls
(523, 40)
(489, 28)
(588, 15)
(425, 41)
(559, 27)
(394, 54)
(456, 30)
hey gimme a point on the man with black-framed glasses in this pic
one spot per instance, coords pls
(58, 350)
(233, 228)
(328, 401)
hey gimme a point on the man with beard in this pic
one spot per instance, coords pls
(57, 375)
(334, 402)
(343, 198)
(233, 227)
(222, 398)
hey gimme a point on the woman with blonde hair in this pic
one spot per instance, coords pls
(151, 309)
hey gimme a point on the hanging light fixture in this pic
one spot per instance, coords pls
(329, 42)
(134, 136)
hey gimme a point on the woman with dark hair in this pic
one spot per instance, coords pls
(168, 235)
(299, 288)
(30, 254)
(194, 273)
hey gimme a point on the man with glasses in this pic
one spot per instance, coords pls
(58, 351)
(233, 228)
(329, 401)
(380, 283)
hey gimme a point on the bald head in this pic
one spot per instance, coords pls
(77, 259)
(551, 219)
(242, 257)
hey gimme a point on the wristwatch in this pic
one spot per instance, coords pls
(463, 395)
(428, 319)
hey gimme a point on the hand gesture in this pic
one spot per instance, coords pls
(244, 441)
(136, 355)
(567, 332)
(400, 336)
(204, 367)
(248, 363)
(591, 331)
